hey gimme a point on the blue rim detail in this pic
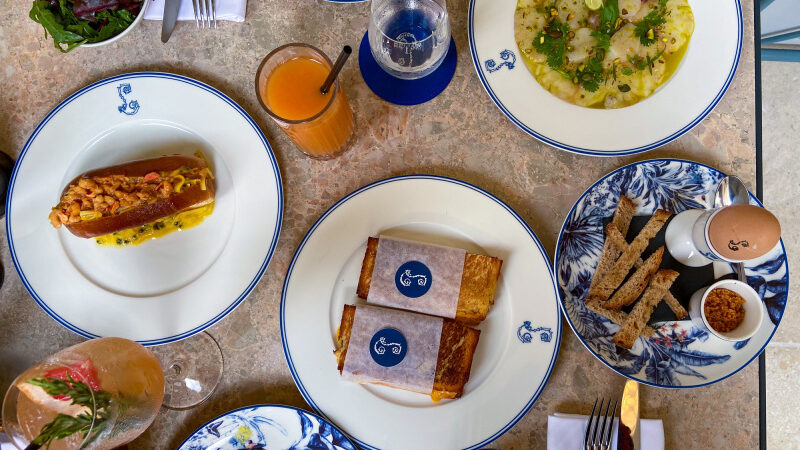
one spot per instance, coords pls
(561, 297)
(587, 151)
(266, 405)
(103, 82)
(358, 191)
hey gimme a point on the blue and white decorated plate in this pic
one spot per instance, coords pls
(170, 288)
(519, 338)
(267, 427)
(680, 355)
(682, 102)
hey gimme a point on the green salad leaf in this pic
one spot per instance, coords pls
(69, 31)
(53, 25)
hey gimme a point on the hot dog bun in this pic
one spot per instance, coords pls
(190, 197)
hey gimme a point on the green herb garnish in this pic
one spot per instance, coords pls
(552, 42)
(592, 75)
(646, 29)
(609, 17)
(64, 425)
(603, 40)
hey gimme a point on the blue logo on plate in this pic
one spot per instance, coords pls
(413, 279)
(388, 347)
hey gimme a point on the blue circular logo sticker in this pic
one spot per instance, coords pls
(413, 279)
(388, 347)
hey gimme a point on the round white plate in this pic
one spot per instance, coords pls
(519, 338)
(172, 287)
(679, 355)
(678, 105)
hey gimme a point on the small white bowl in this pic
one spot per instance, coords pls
(753, 310)
(139, 18)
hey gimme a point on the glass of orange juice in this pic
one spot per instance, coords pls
(288, 85)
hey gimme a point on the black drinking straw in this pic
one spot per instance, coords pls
(337, 67)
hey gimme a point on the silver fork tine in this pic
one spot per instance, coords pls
(213, 13)
(196, 6)
(208, 13)
(586, 443)
(597, 426)
(607, 434)
(600, 441)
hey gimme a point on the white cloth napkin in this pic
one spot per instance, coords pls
(566, 431)
(233, 10)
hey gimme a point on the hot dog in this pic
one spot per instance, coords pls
(111, 199)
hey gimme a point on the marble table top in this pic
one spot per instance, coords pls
(460, 134)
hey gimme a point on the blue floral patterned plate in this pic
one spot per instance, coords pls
(267, 427)
(680, 355)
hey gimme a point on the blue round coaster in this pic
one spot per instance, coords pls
(406, 92)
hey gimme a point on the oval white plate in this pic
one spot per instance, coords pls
(678, 105)
(519, 338)
(680, 355)
(170, 288)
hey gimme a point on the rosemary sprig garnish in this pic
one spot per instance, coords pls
(64, 425)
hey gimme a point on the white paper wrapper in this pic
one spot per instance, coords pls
(395, 348)
(417, 277)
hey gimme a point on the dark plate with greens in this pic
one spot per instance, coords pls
(72, 23)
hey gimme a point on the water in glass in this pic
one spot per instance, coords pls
(409, 38)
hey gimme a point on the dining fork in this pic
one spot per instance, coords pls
(598, 431)
(204, 13)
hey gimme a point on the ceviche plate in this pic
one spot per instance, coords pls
(701, 79)
(680, 355)
(165, 289)
(267, 427)
(519, 339)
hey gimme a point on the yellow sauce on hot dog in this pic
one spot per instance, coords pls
(162, 227)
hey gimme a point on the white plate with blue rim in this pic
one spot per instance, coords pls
(698, 84)
(172, 287)
(680, 355)
(519, 339)
(267, 427)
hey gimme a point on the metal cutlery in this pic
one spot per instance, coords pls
(204, 13)
(598, 432)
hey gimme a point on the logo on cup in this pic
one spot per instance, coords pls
(413, 279)
(388, 347)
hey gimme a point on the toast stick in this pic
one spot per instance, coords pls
(675, 306)
(633, 287)
(622, 220)
(618, 317)
(619, 242)
(638, 318)
(608, 284)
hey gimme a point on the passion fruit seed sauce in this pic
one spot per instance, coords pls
(162, 227)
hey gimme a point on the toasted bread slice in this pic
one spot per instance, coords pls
(618, 317)
(608, 284)
(478, 283)
(634, 286)
(675, 306)
(456, 350)
(622, 220)
(619, 242)
(637, 319)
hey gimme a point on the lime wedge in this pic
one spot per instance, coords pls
(594, 5)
